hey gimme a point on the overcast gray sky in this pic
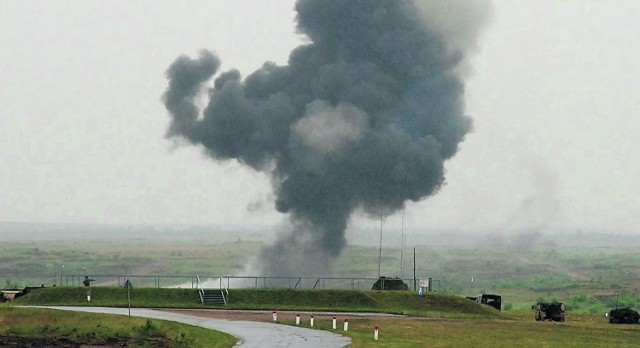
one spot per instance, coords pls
(553, 95)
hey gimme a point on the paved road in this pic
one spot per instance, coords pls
(249, 333)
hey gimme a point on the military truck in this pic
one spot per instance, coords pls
(624, 315)
(494, 301)
(552, 311)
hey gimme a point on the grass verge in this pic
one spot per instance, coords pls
(99, 329)
(515, 331)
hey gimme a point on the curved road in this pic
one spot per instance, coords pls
(249, 333)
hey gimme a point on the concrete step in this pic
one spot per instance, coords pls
(213, 297)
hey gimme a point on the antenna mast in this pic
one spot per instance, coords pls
(380, 250)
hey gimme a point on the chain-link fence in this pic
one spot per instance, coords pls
(235, 282)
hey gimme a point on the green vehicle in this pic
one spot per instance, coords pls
(492, 300)
(624, 315)
(552, 311)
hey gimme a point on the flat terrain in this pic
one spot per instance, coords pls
(590, 272)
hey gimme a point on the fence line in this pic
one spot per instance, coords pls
(230, 282)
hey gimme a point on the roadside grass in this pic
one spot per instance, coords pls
(96, 328)
(583, 331)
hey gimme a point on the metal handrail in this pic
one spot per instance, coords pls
(226, 289)
(200, 290)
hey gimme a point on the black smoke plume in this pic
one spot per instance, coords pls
(361, 118)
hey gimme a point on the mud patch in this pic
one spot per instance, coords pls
(28, 342)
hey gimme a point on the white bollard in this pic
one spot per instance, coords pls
(346, 324)
(375, 333)
(297, 319)
(88, 298)
(334, 323)
(311, 321)
(275, 316)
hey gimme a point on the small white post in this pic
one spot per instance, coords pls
(346, 324)
(311, 321)
(334, 323)
(375, 333)
(275, 316)
(297, 319)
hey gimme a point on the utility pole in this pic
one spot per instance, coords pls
(404, 184)
(414, 269)
(402, 247)
(380, 249)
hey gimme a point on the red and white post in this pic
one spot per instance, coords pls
(297, 319)
(311, 321)
(334, 323)
(375, 333)
(346, 324)
(275, 316)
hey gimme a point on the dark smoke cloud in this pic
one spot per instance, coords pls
(362, 117)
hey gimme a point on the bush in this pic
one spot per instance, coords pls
(150, 329)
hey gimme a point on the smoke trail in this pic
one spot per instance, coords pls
(362, 117)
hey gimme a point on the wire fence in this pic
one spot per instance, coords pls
(238, 282)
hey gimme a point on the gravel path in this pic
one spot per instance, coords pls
(249, 333)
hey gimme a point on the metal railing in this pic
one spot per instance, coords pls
(257, 282)
(226, 290)
(145, 281)
(200, 290)
(231, 282)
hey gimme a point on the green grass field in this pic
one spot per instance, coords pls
(441, 320)
(101, 329)
(589, 273)
(589, 279)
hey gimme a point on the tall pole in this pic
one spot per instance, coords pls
(402, 247)
(128, 285)
(380, 249)
(402, 229)
(414, 269)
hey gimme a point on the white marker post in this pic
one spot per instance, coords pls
(311, 321)
(297, 319)
(334, 323)
(375, 333)
(346, 324)
(275, 316)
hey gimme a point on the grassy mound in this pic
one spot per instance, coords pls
(401, 302)
(112, 297)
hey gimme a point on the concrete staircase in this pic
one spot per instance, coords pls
(213, 297)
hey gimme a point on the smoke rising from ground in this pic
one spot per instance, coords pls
(362, 117)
